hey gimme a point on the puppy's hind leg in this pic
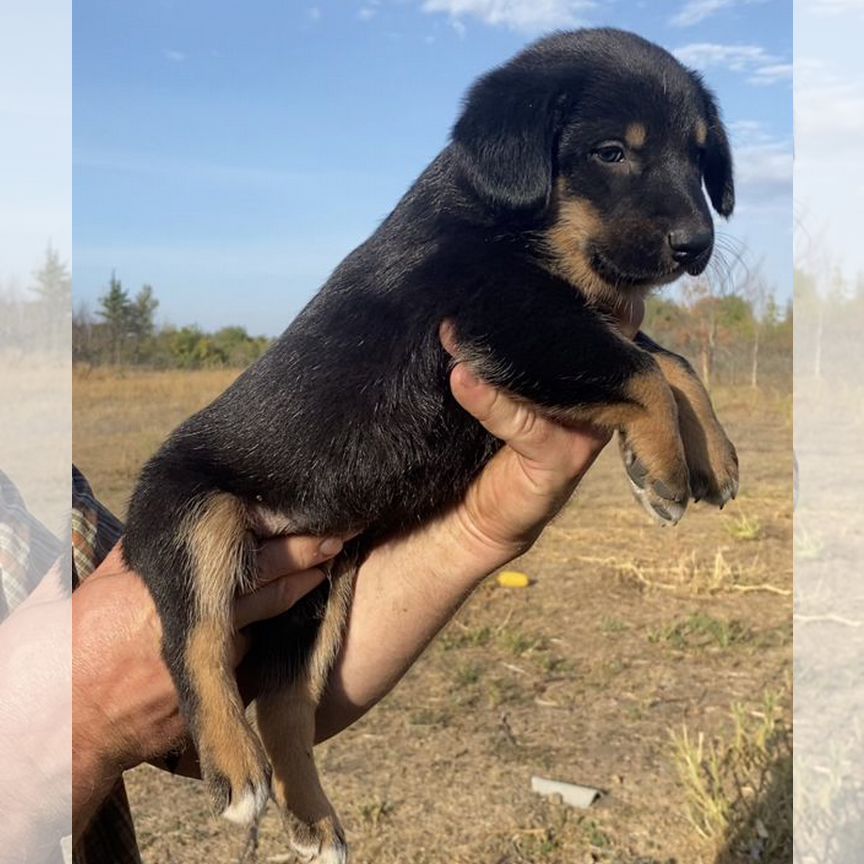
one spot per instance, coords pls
(233, 762)
(286, 721)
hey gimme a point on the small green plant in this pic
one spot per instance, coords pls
(430, 717)
(594, 835)
(808, 546)
(701, 630)
(376, 811)
(468, 637)
(745, 528)
(467, 674)
(518, 643)
(611, 626)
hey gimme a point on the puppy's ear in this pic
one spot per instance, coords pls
(717, 169)
(505, 138)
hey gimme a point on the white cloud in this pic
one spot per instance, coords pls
(695, 11)
(173, 55)
(763, 172)
(523, 15)
(314, 13)
(735, 57)
(764, 68)
(831, 111)
(763, 164)
(836, 7)
(773, 73)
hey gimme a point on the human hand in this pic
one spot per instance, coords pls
(124, 700)
(534, 474)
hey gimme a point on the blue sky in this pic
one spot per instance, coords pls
(231, 155)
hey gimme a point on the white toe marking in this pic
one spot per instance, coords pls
(248, 806)
(333, 855)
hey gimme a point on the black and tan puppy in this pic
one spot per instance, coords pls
(573, 183)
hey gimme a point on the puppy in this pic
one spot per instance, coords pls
(573, 183)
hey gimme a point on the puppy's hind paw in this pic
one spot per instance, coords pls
(322, 842)
(244, 798)
(246, 807)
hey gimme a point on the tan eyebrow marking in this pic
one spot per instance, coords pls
(701, 133)
(636, 135)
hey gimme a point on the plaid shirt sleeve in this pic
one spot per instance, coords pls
(27, 548)
(110, 837)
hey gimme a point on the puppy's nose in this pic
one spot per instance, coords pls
(689, 243)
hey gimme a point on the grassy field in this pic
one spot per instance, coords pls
(653, 664)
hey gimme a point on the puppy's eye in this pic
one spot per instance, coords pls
(608, 153)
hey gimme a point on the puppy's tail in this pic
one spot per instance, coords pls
(219, 552)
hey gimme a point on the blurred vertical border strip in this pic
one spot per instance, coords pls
(828, 427)
(35, 428)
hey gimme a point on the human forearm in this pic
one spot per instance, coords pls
(410, 587)
(406, 591)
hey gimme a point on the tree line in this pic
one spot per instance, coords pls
(123, 332)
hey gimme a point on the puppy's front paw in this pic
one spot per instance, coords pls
(663, 491)
(713, 466)
(321, 842)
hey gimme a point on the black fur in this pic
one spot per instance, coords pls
(347, 423)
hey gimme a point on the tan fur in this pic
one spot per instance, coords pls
(705, 442)
(215, 534)
(701, 133)
(226, 742)
(568, 240)
(216, 537)
(636, 135)
(286, 722)
(648, 419)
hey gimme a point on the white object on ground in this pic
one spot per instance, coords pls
(581, 797)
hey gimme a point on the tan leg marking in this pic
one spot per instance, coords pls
(701, 133)
(711, 456)
(651, 442)
(230, 752)
(286, 721)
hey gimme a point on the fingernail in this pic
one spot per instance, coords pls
(330, 546)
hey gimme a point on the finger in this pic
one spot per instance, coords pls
(275, 597)
(515, 423)
(447, 335)
(281, 556)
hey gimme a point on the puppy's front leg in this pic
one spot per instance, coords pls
(711, 457)
(569, 361)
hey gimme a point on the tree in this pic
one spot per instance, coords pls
(53, 283)
(53, 289)
(141, 323)
(116, 312)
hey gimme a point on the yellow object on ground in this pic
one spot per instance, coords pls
(513, 579)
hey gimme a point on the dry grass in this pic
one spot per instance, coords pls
(739, 789)
(627, 631)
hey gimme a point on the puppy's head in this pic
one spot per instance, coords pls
(599, 143)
